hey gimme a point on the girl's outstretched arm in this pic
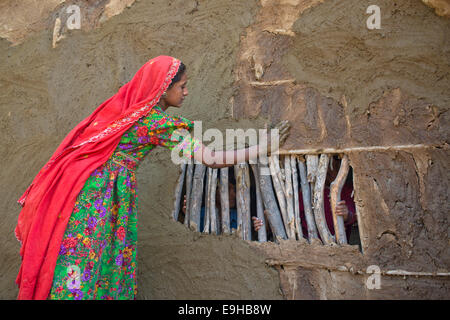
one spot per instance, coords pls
(222, 159)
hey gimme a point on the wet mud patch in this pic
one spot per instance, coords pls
(336, 53)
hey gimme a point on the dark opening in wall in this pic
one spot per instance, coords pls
(275, 194)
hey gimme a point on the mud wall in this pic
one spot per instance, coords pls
(313, 62)
(346, 87)
(46, 91)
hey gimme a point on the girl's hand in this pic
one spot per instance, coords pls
(283, 131)
(342, 210)
(257, 223)
(184, 205)
(284, 127)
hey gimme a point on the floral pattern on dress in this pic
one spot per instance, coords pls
(97, 258)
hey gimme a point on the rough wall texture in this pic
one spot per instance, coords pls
(346, 86)
(313, 62)
(45, 92)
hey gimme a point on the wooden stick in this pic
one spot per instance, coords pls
(206, 218)
(312, 161)
(271, 83)
(335, 197)
(189, 174)
(306, 196)
(298, 222)
(238, 205)
(178, 191)
(196, 197)
(319, 209)
(289, 195)
(213, 209)
(281, 178)
(270, 203)
(318, 151)
(280, 196)
(243, 200)
(262, 234)
(224, 201)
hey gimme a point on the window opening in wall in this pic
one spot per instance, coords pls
(292, 197)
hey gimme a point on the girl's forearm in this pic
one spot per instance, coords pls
(222, 159)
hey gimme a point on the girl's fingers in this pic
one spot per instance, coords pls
(283, 125)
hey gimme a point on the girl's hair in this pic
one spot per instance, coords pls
(181, 71)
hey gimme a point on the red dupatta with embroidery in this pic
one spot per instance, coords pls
(48, 202)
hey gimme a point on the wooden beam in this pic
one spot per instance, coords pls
(207, 217)
(335, 196)
(306, 196)
(243, 200)
(262, 234)
(213, 210)
(319, 208)
(318, 151)
(289, 195)
(189, 175)
(298, 222)
(277, 185)
(196, 197)
(224, 201)
(270, 203)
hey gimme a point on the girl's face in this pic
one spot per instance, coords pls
(176, 94)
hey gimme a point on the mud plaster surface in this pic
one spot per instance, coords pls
(336, 53)
(402, 196)
(388, 87)
(342, 85)
(45, 92)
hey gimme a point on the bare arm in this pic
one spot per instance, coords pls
(222, 159)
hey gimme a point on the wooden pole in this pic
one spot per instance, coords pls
(298, 222)
(361, 149)
(280, 196)
(206, 218)
(335, 196)
(281, 178)
(224, 201)
(178, 192)
(213, 209)
(312, 161)
(196, 197)
(262, 234)
(319, 209)
(270, 203)
(289, 195)
(189, 174)
(243, 200)
(306, 196)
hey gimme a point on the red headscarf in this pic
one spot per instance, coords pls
(48, 202)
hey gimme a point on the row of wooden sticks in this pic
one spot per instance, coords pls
(277, 193)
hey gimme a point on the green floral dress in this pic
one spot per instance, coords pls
(97, 259)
